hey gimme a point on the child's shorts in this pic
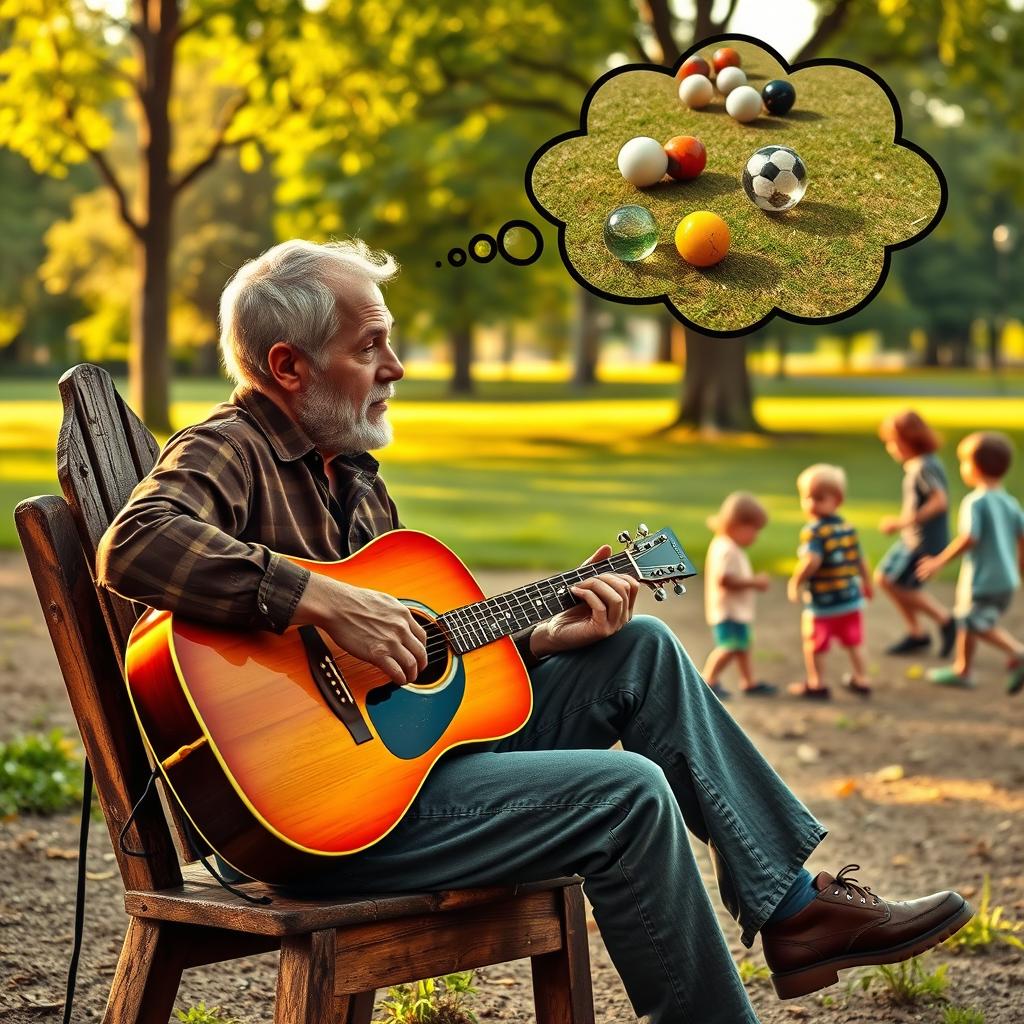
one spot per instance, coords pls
(732, 635)
(847, 629)
(984, 611)
(899, 566)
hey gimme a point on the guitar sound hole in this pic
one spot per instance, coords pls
(438, 661)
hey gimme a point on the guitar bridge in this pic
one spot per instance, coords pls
(332, 686)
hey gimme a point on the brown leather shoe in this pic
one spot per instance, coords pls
(847, 925)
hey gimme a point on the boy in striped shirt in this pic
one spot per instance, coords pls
(832, 579)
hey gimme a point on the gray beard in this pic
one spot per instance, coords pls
(334, 425)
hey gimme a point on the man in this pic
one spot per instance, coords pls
(283, 467)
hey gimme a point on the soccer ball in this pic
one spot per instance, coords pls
(775, 178)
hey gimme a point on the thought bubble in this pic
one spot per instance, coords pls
(869, 191)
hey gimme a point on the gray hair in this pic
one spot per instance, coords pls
(288, 294)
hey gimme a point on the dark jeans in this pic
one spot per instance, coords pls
(553, 800)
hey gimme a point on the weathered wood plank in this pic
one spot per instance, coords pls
(200, 900)
(95, 688)
(385, 953)
(305, 980)
(354, 1009)
(562, 992)
(147, 977)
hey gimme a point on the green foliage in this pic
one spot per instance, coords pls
(905, 983)
(751, 971)
(433, 1001)
(202, 1014)
(962, 1015)
(988, 927)
(39, 774)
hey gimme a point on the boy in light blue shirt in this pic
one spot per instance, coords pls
(991, 540)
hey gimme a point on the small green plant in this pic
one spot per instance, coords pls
(202, 1014)
(962, 1015)
(751, 971)
(433, 1001)
(39, 774)
(988, 926)
(905, 983)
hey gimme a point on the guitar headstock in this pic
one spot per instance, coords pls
(658, 558)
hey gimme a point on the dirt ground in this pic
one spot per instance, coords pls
(947, 816)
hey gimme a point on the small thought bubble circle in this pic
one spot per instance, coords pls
(869, 192)
(518, 242)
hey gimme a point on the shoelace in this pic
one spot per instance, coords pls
(853, 888)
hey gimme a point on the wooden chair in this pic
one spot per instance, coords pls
(335, 954)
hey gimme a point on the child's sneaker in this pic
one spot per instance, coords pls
(855, 686)
(1016, 683)
(948, 676)
(909, 645)
(759, 689)
(719, 691)
(803, 689)
(947, 632)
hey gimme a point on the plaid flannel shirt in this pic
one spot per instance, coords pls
(203, 534)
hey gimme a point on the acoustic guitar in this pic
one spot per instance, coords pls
(285, 751)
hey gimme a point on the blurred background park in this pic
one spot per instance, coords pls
(148, 149)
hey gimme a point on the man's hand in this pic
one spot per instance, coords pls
(607, 606)
(890, 524)
(371, 626)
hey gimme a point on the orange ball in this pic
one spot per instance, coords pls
(702, 238)
(726, 57)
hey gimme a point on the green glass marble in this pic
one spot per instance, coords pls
(631, 233)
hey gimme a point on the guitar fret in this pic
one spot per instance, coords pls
(475, 625)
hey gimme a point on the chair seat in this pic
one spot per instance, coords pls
(201, 900)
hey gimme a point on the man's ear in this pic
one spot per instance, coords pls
(288, 366)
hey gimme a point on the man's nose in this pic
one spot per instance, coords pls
(392, 368)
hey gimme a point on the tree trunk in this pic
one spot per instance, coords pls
(930, 356)
(782, 350)
(717, 395)
(149, 362)
(508, 347)
(668, 327)
(462, 359)
(585, 340)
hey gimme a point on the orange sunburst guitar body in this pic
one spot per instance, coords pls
(287, 753)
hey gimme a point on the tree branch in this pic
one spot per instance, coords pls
(722, 25)
(552, 69)
(826, 28)
(703, 26)
(658, 15)
(97, 157)
(227, 117)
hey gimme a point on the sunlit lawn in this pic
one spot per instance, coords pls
(526, 475)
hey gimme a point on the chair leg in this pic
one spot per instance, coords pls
(562, 990)
(355, 1009)
(305, 980)
(147, 977)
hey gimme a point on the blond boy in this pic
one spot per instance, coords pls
(832, 579)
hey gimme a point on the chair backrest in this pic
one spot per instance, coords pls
(103, 451)
(95, 686)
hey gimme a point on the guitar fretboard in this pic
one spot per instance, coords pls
(474, 625)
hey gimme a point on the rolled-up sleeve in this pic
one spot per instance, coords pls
(175, 545)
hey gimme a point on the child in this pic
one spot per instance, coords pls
(991, 540)
(729, 585)
(837, 579)
(923, 528)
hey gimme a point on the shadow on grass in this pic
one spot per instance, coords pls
(706, 186)
(804, 115)
(746, 270)
(823, 218)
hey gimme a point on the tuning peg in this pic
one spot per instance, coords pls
(659, 594)
(624, 537)
(641, 530)
(679, 589)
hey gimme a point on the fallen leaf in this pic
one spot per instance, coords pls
(806, 754)
(890, 773)
(60, 853)
(915, 672)
(99, 876)
(507, 981)
(846, 787)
